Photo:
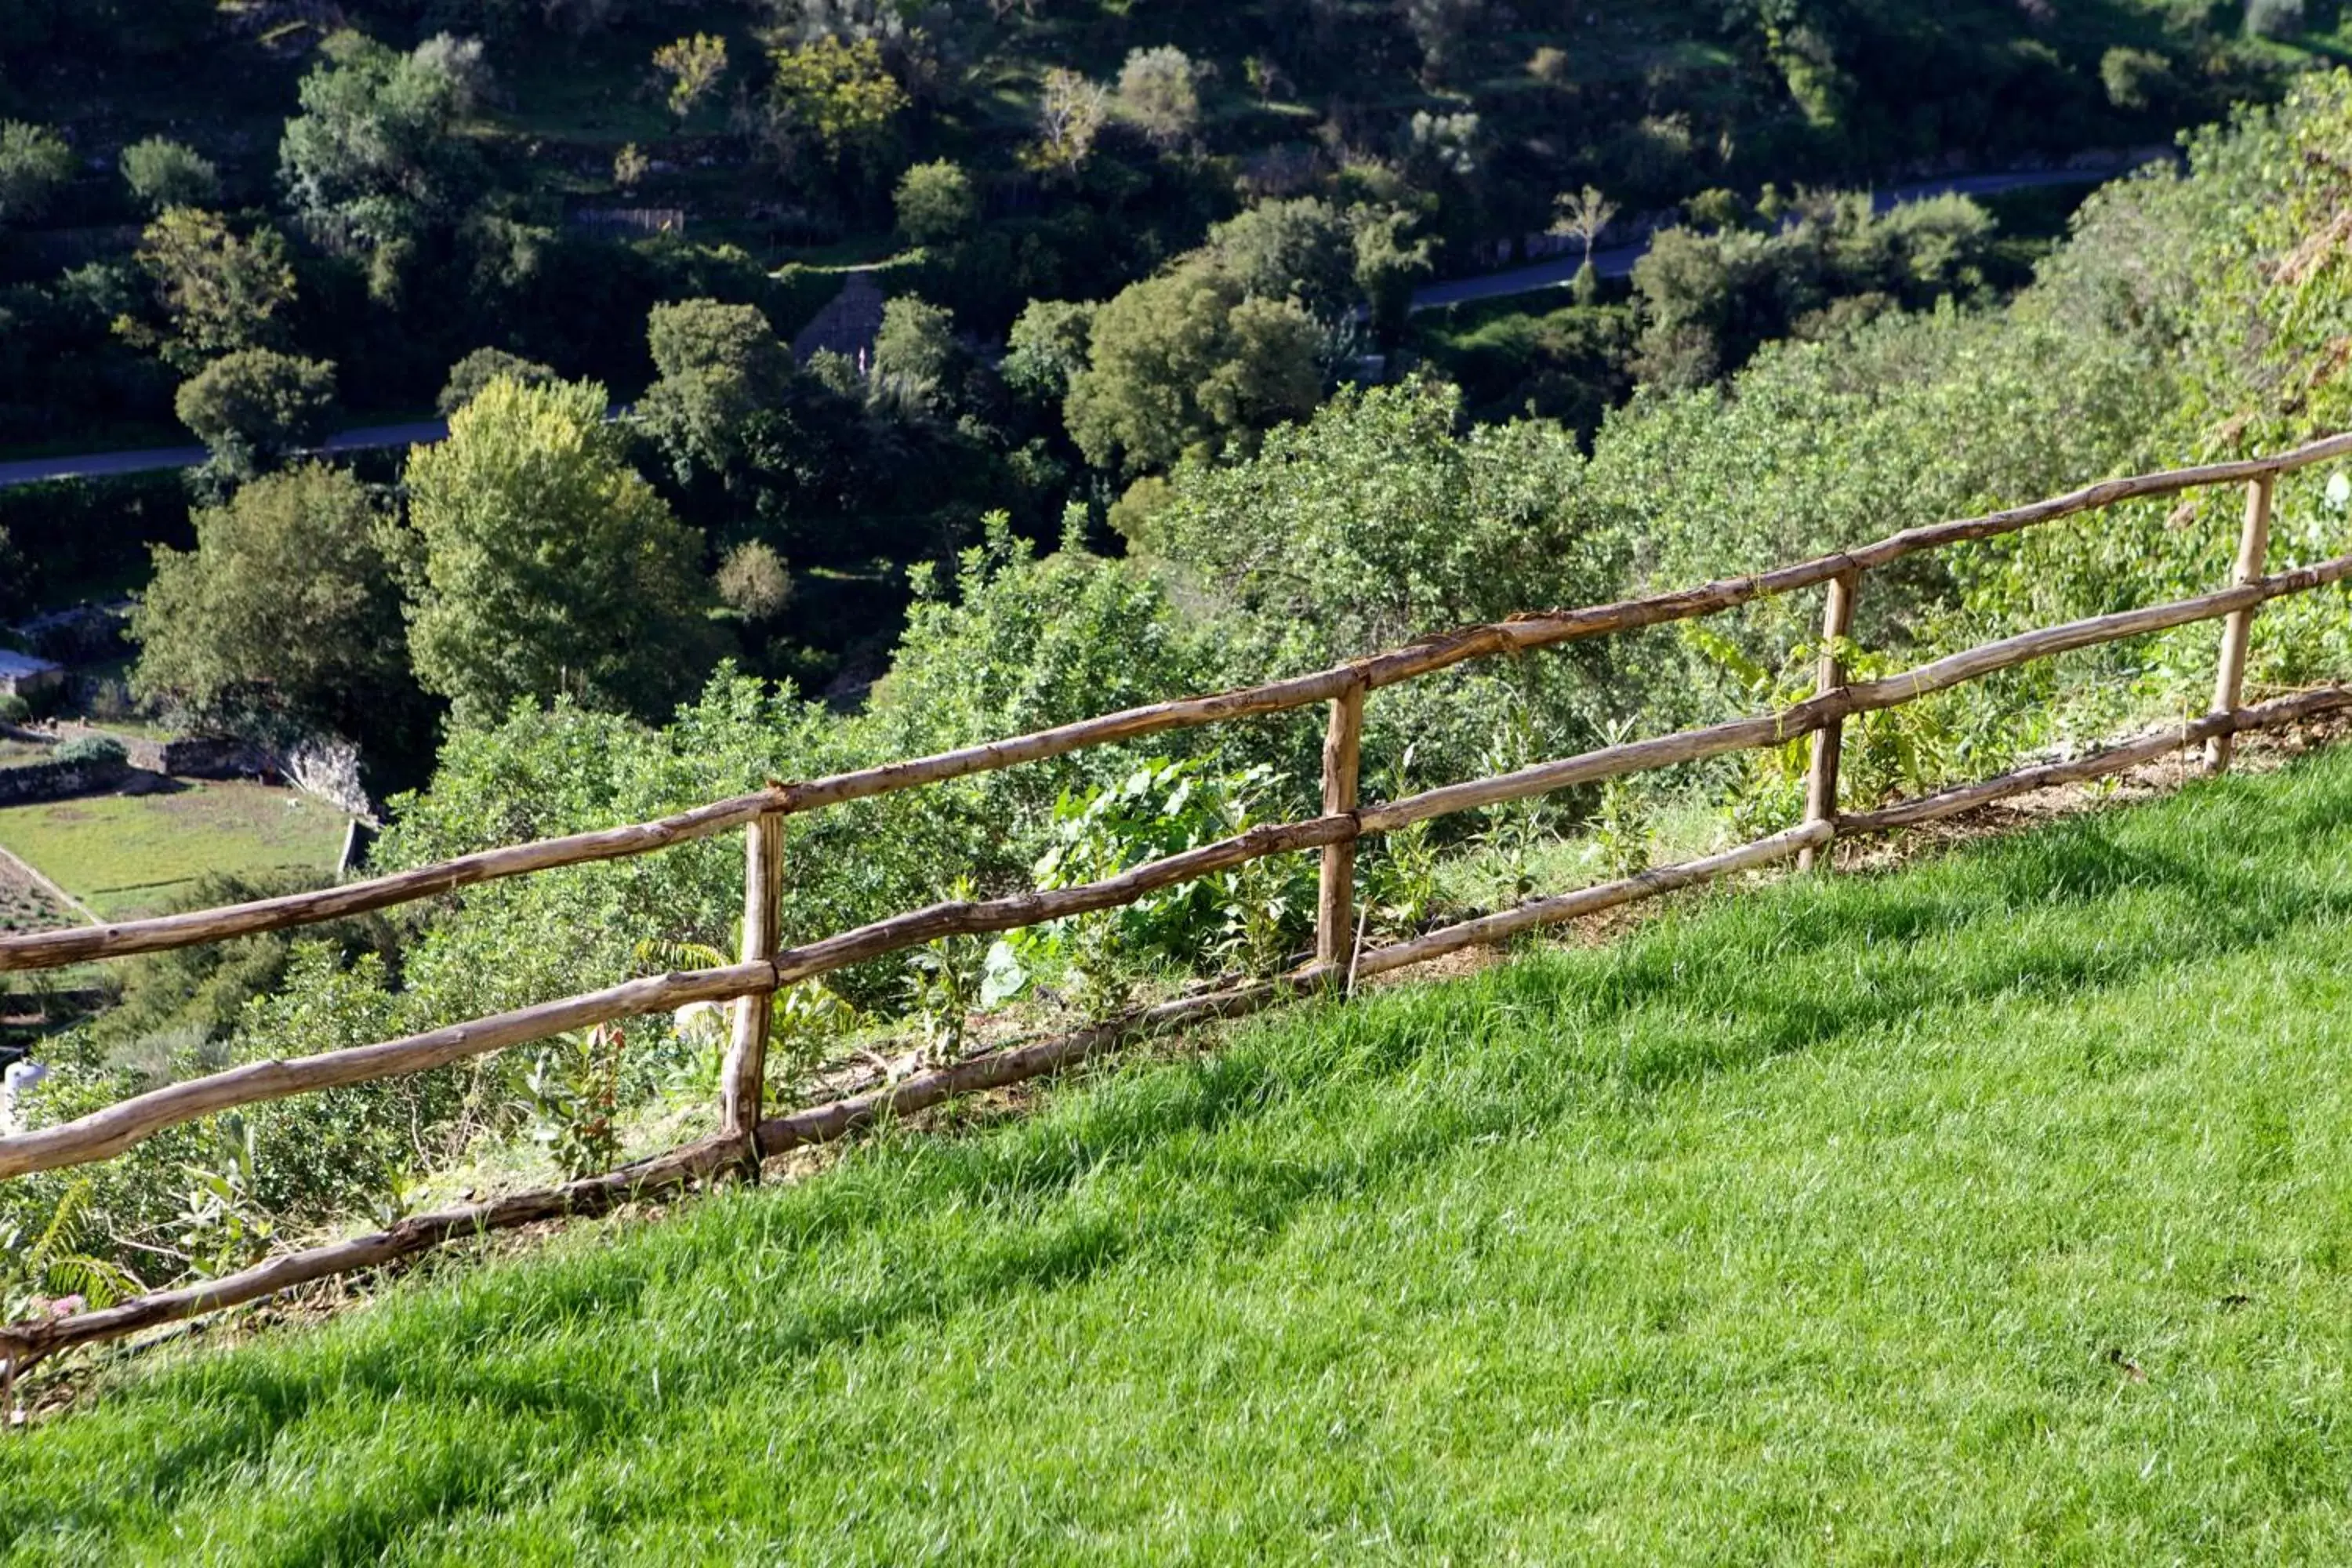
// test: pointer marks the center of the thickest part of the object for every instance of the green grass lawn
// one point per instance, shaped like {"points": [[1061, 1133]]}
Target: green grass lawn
{"points": [[125, 854], [1996, 1210]]}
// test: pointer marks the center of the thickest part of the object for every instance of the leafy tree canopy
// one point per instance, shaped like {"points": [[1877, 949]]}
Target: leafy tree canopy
{"points": [[542, 565]]}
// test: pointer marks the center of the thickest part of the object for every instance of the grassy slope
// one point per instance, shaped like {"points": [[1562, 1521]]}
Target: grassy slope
{"points": [[123, 855], [1996, 1210]]}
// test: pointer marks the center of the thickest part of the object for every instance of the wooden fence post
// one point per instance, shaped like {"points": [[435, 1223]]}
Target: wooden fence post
{"points": [[1829, 741], [742, 1082], [2230, 680], [1335, 914]]}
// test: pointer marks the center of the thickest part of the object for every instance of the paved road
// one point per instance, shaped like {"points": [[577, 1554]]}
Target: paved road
{"points": [[1618, 261], [1615, 262], [96, 465]]}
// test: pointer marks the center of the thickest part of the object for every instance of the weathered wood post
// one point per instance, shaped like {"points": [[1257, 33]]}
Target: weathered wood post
{"points": [[743, 1079], [2230, 680], [1335, 913], [1829, 741]]}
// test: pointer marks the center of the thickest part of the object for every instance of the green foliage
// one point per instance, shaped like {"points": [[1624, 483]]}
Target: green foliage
{"points": [[693, 66], [35, 163], [87, 750], [42, 1267], [286, 607], [833, 99], [255, 406], [1046, 348], [543, 565], [719, 365], [935, 203], [481, 367], [573, 1094], [218, 292], [915, 356], [1159, 94], [1186, 363], [373, 149], [223, 1225], [1709, 301], [163, 174]]}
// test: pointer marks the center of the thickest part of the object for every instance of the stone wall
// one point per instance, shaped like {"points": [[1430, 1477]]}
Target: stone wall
{"points": [[57, 780]]}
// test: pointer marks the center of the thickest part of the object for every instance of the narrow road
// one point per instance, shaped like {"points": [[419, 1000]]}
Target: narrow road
{"points": [[1615, 262], [100, 465]]}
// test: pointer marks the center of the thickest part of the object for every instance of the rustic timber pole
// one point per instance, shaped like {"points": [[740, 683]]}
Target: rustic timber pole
{"points": [[2237, 632], [743, 1080], [1829, 741], [1343, 756]]}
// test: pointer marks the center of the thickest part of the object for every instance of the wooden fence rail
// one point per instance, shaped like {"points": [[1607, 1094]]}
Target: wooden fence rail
{"points": [[746, 1134]]}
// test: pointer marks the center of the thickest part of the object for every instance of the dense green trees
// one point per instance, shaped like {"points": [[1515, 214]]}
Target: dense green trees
{"points": [[285, 610], [542, 565]]}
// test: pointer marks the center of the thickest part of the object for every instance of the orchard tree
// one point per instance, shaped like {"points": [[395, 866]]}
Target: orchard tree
{"points": [[1046, 348], [1070, 114], [720, 367], [934, 203], [1160, 93], [253, 406], [1182, 364], [835, 100], [543, 566], [286, 607], [483, 366], [374, 147], [35, 163], [915, 354], [220, 292], [163, 174], [692, 65], [1585, 214]]}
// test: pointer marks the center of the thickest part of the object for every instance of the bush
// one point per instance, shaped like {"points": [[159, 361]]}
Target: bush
{"points": [[93, 751], [14, 708], [33, 163], [483, 366], [934, 203], [257, 405], [163, 174]]}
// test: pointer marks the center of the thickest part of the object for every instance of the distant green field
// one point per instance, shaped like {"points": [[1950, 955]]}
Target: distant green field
{"points": [[124, 855]]}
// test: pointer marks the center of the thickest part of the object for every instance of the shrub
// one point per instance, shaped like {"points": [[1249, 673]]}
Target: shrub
{"points": [[483, 366], [163, 174], [97, 751], [257, 405], [934, 203], [33, 161]]}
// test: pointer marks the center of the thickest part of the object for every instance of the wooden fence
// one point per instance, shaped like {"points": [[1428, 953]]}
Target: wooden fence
{"points": [[748, 1134]]}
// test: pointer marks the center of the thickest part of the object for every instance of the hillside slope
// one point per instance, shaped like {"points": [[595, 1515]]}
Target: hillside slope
{"points": [[1992, 1210]]}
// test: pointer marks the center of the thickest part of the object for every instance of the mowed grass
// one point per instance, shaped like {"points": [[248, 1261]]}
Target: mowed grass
{"points": [[126, 855], [1999, 1210]]}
